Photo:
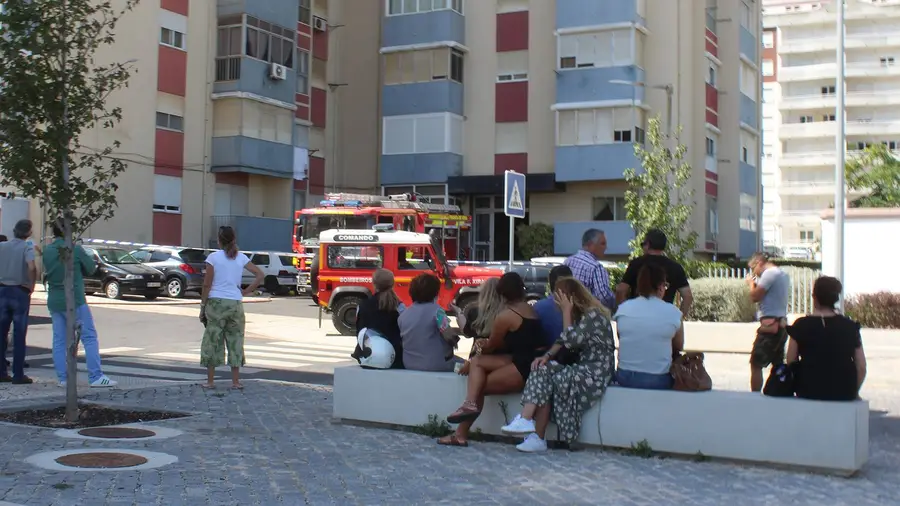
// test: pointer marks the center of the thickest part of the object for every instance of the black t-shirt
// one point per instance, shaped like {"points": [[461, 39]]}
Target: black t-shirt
{"points": [[827, 348], [383, 322], [675, 275]]}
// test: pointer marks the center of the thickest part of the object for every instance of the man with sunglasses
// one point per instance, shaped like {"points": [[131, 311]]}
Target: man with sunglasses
{"points": [[654, 247]]}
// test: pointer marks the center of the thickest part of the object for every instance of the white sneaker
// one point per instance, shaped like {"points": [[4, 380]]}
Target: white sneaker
{"points": [[62, 384], [532, 444], [104, 382], [518, 427]]}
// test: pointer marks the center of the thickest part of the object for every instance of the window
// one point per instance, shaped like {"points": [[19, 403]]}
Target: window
{"points": [[423, 66], [712, 218], [598, 126], [231, 200], [305, 12], [269, 42], [506, 78], [887, 61], [355, 257], [828, 117], [745, 155], [828, 90], [427, 133], [302, 72], [608, 209], [169, 122], [259, 259], [413, 6], [768, 39], [156, 256], [749, 81], [622, 136], [166, 194], [711, 74], [768, 68], [746, 17], [142, 255], [229, 40], [601, 49], [807, 236], [172, 38], [806, 119], [710, 147], [456, 65]]}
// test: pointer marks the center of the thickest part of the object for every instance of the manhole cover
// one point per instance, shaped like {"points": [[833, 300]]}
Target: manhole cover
{"points": [[116, 432], [101, 460]]}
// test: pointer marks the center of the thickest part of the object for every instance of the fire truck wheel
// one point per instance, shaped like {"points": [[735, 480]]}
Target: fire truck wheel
{"points": [[343, 315]]}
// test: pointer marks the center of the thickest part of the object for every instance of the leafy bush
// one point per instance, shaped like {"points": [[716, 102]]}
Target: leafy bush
{"points": [[615, 275], [875, 310], [722, 300], [535, 240]]}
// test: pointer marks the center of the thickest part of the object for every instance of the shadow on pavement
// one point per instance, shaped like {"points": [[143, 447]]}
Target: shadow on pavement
{"points": [[39, 320]]}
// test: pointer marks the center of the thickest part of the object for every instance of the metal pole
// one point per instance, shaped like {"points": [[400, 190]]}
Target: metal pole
{"points": [[840, 197], [669, 92], [512, 240]]}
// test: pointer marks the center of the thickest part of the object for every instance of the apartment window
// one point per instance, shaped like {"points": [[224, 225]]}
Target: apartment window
{"points": [[229, 37], [768, 68], [269, 42], [506, 78], [891, 145], [828, 117], [231, 200], [622, 135], [456, 65], [806, 119], [712, 218], [746, 17], [171, 38], [710, 147], [305, 12], [828, 90], [423, 66], [608, 209], [602, 49], [598, 126], [427, 133], [166, 194], [768, 40], [302, 72], [807, 236], [886, 61], [413, 6], [745, 155], [711, 74], [169, 122]]}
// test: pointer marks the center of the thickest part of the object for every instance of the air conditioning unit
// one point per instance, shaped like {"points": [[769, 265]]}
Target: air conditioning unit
{"points": [[277, 72], [319, 24]]}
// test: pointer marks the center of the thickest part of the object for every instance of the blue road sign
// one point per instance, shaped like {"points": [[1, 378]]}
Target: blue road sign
{"points": [[514, 194]]}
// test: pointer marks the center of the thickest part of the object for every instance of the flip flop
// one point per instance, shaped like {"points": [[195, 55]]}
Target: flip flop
{"points": [[204, 386], [452, 440], [237, 387]]}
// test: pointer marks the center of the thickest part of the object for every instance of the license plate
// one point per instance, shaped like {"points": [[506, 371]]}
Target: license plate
{"points": [[154, 285]]}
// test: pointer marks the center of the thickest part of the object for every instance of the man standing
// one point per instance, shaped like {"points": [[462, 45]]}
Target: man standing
{"points": [[654, 247], [769, 287], [586, 267], [17, 276]]}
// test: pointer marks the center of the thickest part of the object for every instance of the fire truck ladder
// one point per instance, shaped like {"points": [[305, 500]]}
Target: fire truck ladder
{"points": [[399, 201]]}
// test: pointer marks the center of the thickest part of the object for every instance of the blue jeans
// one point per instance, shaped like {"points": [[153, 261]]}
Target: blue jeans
{"points": [[84, 318], [647, 381], [15, 303]]}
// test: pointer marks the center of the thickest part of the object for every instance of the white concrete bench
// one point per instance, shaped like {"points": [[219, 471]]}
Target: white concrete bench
{"points": [[742, 426]]}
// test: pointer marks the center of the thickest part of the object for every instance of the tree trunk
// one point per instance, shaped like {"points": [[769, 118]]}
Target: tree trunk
{"points": [[71, 340]]}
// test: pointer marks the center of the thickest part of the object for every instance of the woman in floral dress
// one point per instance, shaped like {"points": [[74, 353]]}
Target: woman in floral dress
{"points": [[569, 390]]}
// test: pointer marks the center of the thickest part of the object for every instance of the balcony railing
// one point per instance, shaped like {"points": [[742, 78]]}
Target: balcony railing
{"points": [[228, 68]]}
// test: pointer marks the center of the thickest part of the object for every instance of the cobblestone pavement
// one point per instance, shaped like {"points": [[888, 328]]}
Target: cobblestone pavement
{"points": [[274, 444]]}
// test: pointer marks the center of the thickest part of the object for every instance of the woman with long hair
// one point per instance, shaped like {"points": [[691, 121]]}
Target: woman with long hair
{"points": [[567, 390], [480, 316], [380, 313], [222, 309]]}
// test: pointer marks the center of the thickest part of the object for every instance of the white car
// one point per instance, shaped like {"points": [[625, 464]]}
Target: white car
{"points": [[559, 261], [279, 272]]}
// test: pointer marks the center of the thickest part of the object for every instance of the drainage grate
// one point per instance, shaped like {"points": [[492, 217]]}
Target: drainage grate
{"points": [[117, 432], [101, 460]]}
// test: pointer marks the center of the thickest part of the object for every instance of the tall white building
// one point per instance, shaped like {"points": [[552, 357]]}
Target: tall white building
{"points": [[799, 128]]}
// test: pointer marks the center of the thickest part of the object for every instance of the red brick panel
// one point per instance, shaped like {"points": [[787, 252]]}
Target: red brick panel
{"points": [[712, 97], [176, 6], [304, 42], [319, 103], [712, 118], [299, 185], [169, 153], [512, 31], [302, 112], [511, 161], [771, 53], [712, 43], [712, 189], [304, 28], [316, 175], [166, 229], [711, 246], [320, 45], [511, 103], [712, 175], [172, 71], [233, 178]]}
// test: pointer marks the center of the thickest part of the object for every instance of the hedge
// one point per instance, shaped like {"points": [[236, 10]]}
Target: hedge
{"points": [[722, 300], [875, 310]]}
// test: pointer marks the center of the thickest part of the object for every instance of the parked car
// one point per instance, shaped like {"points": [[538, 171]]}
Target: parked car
{"points": [[551, 261], [183, 267], [535, 275], [118, 273], [279, 272]]}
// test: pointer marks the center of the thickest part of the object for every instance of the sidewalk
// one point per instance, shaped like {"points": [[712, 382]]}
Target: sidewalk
{"points": [[40, 297]]}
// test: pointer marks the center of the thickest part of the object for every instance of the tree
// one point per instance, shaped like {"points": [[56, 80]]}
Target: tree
{"points": [[53, 91], [535, 240], [875, 171], [658, 197]]}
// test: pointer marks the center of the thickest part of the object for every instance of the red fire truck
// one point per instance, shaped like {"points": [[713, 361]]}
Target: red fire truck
{"points": [[353, 211]]}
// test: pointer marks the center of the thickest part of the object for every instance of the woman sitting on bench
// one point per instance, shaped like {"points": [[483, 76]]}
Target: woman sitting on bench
{"points": [[479, 317], [427, 338]]}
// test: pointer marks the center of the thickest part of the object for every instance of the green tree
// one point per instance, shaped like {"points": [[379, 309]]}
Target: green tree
{"points": [[658, 195], [535, 240], [875, 171], [53, 91]]}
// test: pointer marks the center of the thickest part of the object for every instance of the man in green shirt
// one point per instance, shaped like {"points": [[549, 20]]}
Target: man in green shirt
{"points": [[54, 270]]}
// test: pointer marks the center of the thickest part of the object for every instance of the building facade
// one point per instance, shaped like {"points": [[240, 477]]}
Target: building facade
{"points": [[799, 67], [228, 97], [560, 90]]}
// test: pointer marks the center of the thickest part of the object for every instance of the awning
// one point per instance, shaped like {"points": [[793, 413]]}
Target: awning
{"points": [[493, 185]]}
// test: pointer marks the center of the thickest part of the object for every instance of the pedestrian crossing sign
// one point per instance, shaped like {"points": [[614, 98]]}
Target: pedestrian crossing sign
{"points": [[514, 194]]}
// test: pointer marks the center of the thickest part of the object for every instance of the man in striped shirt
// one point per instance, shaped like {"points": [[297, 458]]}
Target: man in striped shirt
{"points": [[586, 267]]}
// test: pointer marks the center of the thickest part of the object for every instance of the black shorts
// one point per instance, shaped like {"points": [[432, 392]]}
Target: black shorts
{"points": [[768, 349]]}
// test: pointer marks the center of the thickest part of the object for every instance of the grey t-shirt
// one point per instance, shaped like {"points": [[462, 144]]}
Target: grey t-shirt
{"points": [[14, 257], [423, 347], [777, 284]]}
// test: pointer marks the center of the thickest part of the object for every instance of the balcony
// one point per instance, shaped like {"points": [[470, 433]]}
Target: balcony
{"points": [[422, 98], [603, 162], [869, 69], [748, 178], [252, 156], [749, 112], [829, 43], [807, 130], [567, 236], [277, 11], [593, 84], [256, 233], [806, 188], [575, 13], [867, 128], [808, 72], [423, 28], [421, 168], [748, 44], [249, 75], [808, 159]]}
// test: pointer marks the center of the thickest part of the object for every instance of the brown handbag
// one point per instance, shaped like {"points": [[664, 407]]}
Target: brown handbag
{"points": [[689, 374]]}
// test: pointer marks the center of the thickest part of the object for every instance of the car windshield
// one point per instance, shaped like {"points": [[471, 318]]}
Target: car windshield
{"points": [[193, 256], [116, 256], [315, 224]]}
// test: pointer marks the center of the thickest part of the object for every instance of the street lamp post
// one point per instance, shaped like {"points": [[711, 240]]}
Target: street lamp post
{"points": [[840, 195]]}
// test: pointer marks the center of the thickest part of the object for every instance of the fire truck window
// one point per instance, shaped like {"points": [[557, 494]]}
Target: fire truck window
{"points": [[413, 259], [409, 224], [355, 257], [386, 219]]}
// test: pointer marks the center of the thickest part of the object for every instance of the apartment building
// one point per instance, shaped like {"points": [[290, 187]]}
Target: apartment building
{"points": [[561, 90], [799, 68], [229, 96]]}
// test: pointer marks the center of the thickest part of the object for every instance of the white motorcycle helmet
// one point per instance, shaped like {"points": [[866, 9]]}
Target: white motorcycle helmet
{"points": [[373, 351]]}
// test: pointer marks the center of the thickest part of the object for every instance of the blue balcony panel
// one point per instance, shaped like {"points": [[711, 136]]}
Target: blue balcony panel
{"points": [[422, 98], [422, 28], [254, 78], [420, 168], [567, 236], [257, 233], [748, 242], [748, 177], [748, 44], [574, 13], [593, 84], [281, 12], [749, 112], [252, 156], [603, 162]]}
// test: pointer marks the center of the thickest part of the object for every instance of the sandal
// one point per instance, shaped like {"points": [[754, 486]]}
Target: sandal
{"points": [[468, 411], [452, 440], [204, 386], [239, 386]]}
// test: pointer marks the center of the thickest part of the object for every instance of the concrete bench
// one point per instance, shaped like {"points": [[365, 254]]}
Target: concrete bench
{"points": [[829, 437]]}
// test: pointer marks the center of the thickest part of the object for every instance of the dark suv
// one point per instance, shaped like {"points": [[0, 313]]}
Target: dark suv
{"points": [[183, 267], [118, 273], [536, 279]]}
